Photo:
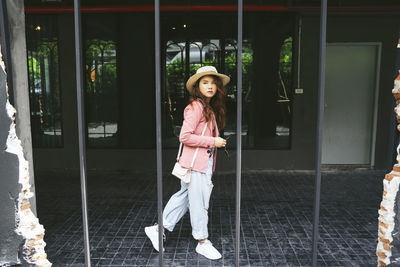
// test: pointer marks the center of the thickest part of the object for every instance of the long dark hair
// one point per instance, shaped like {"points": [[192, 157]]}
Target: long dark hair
{"points": [[216, 104]]}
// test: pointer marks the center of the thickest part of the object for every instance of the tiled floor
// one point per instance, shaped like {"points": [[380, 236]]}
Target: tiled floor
{"points": [[276, 215]]}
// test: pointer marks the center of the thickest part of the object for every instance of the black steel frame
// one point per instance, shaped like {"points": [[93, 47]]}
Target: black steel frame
{"points": [[158, 127], [82, 151], [239, 131], [320, 118], [81, 126]]}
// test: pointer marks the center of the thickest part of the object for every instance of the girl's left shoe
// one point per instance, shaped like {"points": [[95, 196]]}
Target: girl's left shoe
{"points": [[152, 234], [208, 250]]}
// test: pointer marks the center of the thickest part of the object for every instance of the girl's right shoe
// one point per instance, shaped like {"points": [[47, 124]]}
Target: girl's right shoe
{"points": [[152, 234], [208, 250]]}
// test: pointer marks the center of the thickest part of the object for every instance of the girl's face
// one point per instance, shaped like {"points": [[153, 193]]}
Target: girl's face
{"points": [[207, 86]]}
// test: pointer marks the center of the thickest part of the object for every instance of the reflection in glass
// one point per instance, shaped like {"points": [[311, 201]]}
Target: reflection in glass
{"points": [[222, 54], [101, 92], [283, 88], [44, 85]]}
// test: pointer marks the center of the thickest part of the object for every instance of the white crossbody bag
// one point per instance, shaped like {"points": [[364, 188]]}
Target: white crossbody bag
{"points": [[181, 172]]}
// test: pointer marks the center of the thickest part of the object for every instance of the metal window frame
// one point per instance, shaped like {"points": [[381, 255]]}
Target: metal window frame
{"points": [[81, 129]]}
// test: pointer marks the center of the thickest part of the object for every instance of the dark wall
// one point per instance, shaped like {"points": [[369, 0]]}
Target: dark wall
{"points": [[136, 90], [344, 28], [383, 29]]}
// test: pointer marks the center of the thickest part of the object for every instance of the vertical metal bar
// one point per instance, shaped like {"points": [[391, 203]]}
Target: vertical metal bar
{"points": [[187, 63], [299, 51], [320, 117], [5, 45], [201, 58], [81, 125], [158, 127], [376, 103], [222, 56], [239, 130]]}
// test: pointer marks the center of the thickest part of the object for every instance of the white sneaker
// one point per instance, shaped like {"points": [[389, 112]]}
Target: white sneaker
{"points": [[152, 233], [207, 250]]}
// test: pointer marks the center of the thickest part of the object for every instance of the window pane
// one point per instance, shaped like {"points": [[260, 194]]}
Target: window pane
{"points": [[284, 85], [44, 85], [101, 92], [262, 129], [222, 53], [178, 70]]}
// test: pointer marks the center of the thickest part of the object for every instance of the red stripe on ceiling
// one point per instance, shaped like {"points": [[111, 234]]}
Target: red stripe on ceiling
{"points": [[198, 8]]}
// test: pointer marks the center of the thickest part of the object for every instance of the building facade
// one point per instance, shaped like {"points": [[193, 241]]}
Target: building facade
{"points": [[280, 66]]}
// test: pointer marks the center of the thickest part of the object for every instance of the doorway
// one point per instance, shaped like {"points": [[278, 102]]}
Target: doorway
{"points": [[350, 103]]}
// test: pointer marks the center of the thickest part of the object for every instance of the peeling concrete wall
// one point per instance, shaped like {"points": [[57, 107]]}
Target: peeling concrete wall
{"points": [[21, 235], [9, 187], [388, 228], [16, 20], [388, 248]]}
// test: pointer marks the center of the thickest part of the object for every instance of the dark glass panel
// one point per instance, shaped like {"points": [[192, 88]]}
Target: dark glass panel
{"points": [[44, 84], [101, 83]]}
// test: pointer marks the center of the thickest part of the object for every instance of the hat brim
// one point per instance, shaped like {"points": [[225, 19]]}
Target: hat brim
{"points": [[193, 79]]}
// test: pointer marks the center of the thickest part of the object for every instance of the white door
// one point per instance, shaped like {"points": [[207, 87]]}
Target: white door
{"points": [[349, 113]]}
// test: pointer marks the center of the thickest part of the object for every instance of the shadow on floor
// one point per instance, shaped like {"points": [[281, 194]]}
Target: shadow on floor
{"points": [[276, 217]]}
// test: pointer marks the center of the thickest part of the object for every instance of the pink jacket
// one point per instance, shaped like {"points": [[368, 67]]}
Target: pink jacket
{"points": [[190, 136]]}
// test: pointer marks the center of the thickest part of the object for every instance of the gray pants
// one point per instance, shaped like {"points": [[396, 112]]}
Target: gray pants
{"points": [[194, 196]]}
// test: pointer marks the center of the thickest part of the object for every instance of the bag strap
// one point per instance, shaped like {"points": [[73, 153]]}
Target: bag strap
{"points": [[195, 153]]}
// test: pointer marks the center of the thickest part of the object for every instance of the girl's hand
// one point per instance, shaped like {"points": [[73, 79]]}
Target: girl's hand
{"points": [[219, 142]]}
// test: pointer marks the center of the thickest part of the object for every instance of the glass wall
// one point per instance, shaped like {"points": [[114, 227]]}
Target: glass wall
{"points": [[44, 83], [276, 206]]}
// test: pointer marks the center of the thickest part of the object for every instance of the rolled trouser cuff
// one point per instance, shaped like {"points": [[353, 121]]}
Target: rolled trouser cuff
{"points": [[199, 235], [167, 225]]}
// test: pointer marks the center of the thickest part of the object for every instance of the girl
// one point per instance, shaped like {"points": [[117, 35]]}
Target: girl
{"points": [[207, 105]]}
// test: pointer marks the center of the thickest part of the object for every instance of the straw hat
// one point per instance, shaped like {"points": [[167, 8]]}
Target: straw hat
{"points": [[204, 71]]}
